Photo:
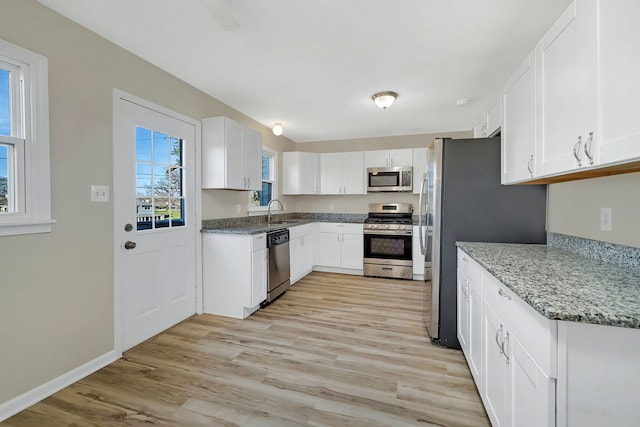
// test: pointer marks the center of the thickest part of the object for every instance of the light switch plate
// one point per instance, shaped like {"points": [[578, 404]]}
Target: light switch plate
{"points": [[100, 193]]}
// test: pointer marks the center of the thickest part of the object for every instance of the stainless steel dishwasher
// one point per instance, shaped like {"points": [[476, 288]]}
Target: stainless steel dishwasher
{"points": [[278, 280]]}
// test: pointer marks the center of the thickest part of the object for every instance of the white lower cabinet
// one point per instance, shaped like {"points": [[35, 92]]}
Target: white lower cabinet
{"points": [[234, 273], [301, 251], [509, 349], [340, 245]]}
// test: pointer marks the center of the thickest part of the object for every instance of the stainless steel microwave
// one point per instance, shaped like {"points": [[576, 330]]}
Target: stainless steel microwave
{"points": [[389, 179]]}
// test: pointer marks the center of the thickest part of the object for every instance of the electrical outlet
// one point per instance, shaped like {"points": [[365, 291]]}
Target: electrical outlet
{"points": [[331, 207], [606, 219], [100, 193], [238, 209]]}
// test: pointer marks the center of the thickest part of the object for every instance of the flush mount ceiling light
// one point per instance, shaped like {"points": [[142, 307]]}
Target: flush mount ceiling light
{"points": [[277, 129], [384, 99]]}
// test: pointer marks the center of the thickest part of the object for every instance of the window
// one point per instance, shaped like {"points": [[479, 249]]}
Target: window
{"points": [[25, 205], [259, 200]]}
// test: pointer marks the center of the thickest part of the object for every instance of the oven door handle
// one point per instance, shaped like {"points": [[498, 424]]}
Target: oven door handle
{"points": [[388, 232]]}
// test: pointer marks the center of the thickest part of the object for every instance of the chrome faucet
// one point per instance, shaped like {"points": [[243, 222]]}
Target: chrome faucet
{"points": [[269, 209]]}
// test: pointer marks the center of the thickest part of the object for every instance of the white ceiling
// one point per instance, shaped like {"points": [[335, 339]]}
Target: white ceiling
{"points": [[314, 64]]}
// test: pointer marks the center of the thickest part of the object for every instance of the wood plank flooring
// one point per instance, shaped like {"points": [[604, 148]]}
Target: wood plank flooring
{"points": [[335, 350]]}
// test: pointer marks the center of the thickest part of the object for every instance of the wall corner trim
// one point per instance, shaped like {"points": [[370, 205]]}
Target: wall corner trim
{"points": [[35, 395]]}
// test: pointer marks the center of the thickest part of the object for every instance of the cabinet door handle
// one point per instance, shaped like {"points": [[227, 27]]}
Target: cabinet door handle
{"points": [[502, 294], [498, 335], [504, 349], [587, 148], [576, 150], [301, 240], [248, 182], [530, 166]]}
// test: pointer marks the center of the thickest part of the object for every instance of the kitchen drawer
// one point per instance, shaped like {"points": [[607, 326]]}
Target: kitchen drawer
{"points": [[300, 230], [471, 269], [333, 227], [259, 241], [537, 334]]}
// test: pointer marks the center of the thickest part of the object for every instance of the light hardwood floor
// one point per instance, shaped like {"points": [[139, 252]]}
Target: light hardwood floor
{"points": [[335, 350]]}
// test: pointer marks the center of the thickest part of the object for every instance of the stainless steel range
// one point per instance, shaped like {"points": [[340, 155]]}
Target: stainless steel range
{"points": [[388, 232]]}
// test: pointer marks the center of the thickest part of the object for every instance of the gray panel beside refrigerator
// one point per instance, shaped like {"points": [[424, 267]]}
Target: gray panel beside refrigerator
{"points": [[464, 201]]}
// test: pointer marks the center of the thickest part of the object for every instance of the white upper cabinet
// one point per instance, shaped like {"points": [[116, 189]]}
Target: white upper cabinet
{"points": [[301, 172], [518, 127], [563, 68], [231, 155], [342, 173], [585, 119], [618, 81], [388, 158]]}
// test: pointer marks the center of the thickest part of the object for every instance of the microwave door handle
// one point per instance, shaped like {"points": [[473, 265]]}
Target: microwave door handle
{"points": [[421, 214]]}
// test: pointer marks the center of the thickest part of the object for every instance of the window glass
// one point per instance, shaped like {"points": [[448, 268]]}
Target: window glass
{"points": [[5, 106], [263, 197], [159, 182]]}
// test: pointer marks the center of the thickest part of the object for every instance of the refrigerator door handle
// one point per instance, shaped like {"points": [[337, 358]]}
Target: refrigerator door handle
{"points": [[421, 213]]}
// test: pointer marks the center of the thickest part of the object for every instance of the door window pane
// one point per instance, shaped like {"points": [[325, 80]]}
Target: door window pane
{"points": [[159, 184]]}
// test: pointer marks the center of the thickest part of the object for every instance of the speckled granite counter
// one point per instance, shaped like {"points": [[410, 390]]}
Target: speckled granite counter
{"points": [[563, 285], [258, 224]]}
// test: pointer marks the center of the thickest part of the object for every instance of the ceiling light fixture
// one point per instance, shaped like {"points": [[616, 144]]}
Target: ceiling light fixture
{"points": [[384, 99], [277, 129]]}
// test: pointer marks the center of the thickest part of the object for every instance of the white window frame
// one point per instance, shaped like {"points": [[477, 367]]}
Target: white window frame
{"points": [[266, 151], [29, 142]]}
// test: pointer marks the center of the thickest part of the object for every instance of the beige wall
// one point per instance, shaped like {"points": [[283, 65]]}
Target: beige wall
{"points": [[574, 208], [56, 289]]}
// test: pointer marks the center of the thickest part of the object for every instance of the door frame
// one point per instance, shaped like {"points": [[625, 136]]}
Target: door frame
{"points": [[117, 253]]}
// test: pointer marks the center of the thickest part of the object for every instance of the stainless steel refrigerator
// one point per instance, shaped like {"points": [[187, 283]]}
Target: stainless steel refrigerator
{"points": [[462, 200]]}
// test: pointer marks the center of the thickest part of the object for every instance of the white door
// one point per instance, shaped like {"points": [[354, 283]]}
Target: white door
{"points": [[155, 220]]}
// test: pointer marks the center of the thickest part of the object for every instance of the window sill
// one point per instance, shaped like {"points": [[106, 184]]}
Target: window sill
{"points": [[26, 227]]}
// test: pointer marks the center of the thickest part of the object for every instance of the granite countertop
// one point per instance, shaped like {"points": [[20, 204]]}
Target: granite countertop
{"points": [[258, 224], [563, 285]]}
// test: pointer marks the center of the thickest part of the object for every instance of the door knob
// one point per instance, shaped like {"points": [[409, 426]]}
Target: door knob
{"points": [[130, 245]]}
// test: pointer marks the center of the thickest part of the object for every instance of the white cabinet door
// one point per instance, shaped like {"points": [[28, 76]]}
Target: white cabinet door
{"points": [[376, 158], [388, 158], [252, 159], [234, 169], [342, 173], [301, 172], [519, 124], [531, 391], [494, 372], [329, 249], [419, 167], [331, 181], [619, 83], [295, 258], [353, 174], [231, 155], [476, 305], [463, 312], [352, 251], [307, 253], [563, 76], [258, 276], [403, 157]]}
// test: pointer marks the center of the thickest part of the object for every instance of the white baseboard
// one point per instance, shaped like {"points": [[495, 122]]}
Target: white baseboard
{"points": [[35, 395]]}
